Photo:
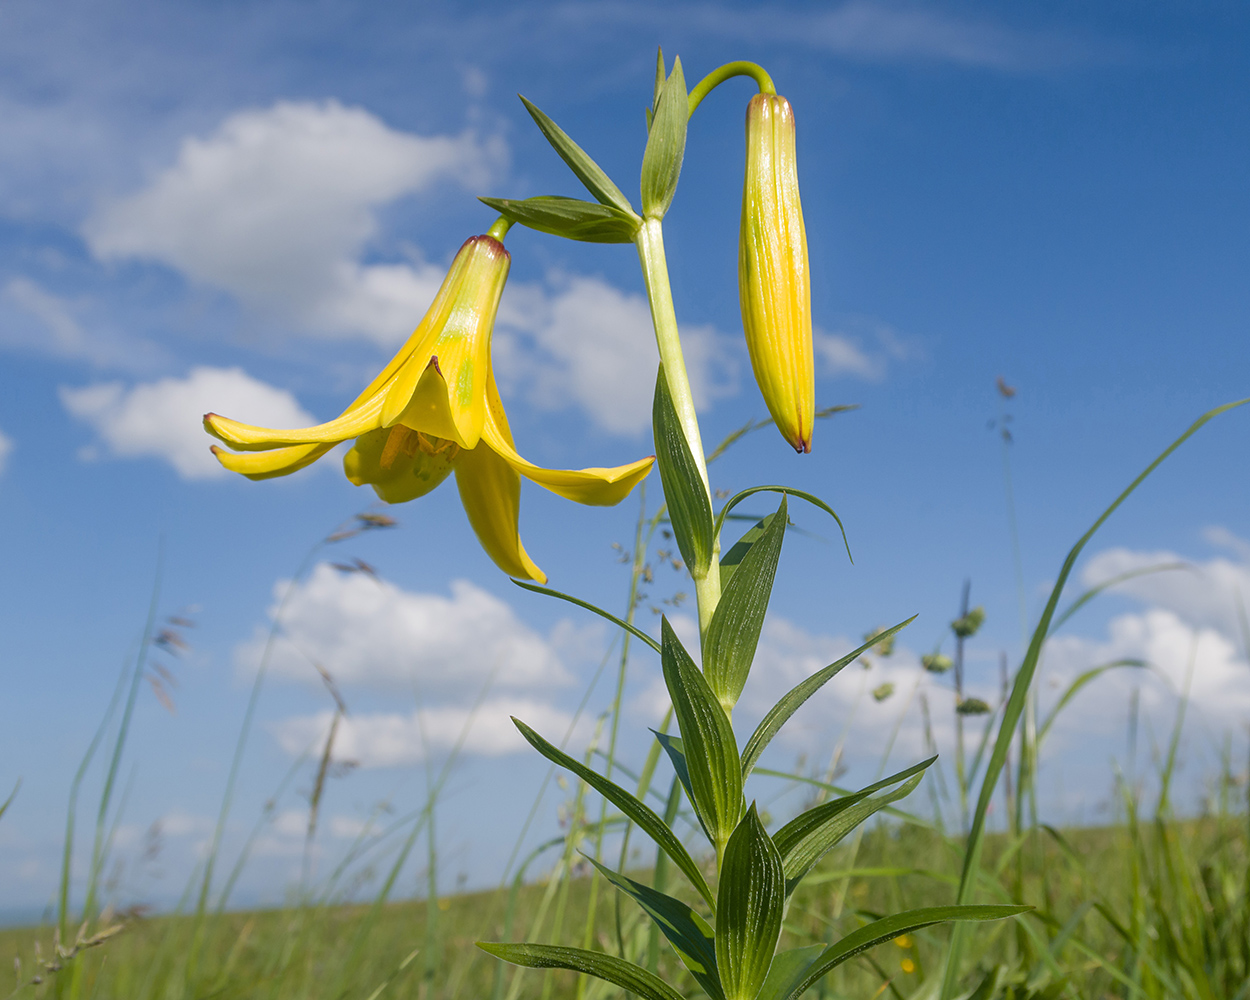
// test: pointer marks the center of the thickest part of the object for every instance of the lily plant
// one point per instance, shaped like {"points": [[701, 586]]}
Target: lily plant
{"points": [[435, 410]]}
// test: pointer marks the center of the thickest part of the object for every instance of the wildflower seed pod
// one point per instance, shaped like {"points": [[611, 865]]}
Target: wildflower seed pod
{"points": [[773, 283]]}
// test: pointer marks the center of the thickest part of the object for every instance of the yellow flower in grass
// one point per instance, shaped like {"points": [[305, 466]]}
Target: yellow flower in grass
{"points": [[433, 410], [773, 282]]}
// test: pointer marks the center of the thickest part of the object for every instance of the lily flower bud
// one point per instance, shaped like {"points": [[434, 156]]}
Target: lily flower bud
{"points": [[773, 283]]}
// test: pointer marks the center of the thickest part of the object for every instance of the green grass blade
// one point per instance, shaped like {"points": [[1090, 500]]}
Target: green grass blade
{"points": [[1075, 687], [614, 970], [587, 170], [708, 741], [1093, 592], [1020, 689], [621, 623], [749, 905], [734, 632], [687, 932], [888, 928], [626, 802], [793, 700]]}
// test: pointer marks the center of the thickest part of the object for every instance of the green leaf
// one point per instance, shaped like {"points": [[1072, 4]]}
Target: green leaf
{"points": [[749, 905], [687, 932], [793, 700], [888, 928], [787, 971], [734, 632], [587, 170], [732, 559], [689, 509], [677, 755], [811, 835], [639, 812], [811, 498], [617, 971], [666, 146], [707, 740], [631, 629], [569, 217]]}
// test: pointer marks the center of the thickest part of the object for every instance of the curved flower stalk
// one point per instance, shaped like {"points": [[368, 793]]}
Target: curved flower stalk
{"points": [[435, 409], [773, 283]]}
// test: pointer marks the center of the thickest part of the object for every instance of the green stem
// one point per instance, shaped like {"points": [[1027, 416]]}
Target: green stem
{"points": [[650, 243], [727, 72], [499, 228]]}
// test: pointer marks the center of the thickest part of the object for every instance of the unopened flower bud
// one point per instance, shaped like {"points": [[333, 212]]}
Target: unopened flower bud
{"points": [[936, 663], [773, 283]]}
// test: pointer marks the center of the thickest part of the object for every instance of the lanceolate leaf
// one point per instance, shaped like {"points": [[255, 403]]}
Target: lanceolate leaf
{"points": [[780, 713], [707, 739], [587, 170], [689, 508], [888, 928], [569, 217], [811, 498], [631, 629], [615, 970], [666, 146], [734, 632], [749, 905], [809, 837], [677, 754], [732, 559], [787, 971], [648, 821], [687, 932]]}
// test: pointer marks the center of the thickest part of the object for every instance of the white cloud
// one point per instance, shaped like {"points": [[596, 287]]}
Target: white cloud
{"points": [[37, 320], [585, 343], [844, 352], [1205, 594], [392, 739], [6, 449], [368, 631], [277, 205], [162, 419]]}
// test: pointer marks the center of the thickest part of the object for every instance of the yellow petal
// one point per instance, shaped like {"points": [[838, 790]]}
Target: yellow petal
{"points": [[596, 486], [267, 465], [441, 389], [356, 420], [404, 474], [418, 399], [491, 493]]}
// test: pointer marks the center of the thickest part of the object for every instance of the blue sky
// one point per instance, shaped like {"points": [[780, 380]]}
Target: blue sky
{"points": [[246, 207]]}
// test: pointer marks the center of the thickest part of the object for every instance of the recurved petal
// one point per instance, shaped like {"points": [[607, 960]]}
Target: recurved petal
{"points": [[491, 493], [356, 420], [598, 487], [270, 464]]}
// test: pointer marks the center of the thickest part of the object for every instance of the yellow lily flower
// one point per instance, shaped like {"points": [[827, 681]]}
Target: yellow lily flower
{"points": [[435, 409], [773, 283]]}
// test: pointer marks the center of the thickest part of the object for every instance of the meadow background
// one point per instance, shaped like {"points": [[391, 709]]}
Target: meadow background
{"points": [[245, 207]]}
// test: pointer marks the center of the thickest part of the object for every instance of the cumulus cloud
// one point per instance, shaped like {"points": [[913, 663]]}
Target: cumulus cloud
{"points": [[393, 739], [1204, 594], [369, 631], [36, 320], [277, 205], [582, 342], [161, 419], [864, 349]]}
